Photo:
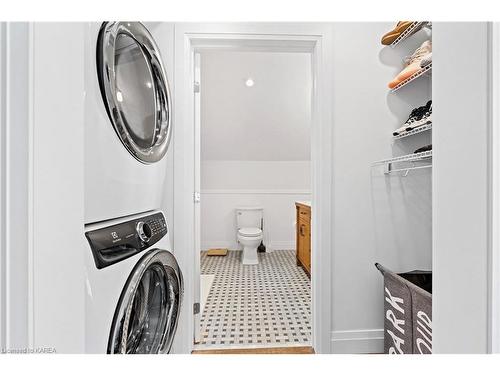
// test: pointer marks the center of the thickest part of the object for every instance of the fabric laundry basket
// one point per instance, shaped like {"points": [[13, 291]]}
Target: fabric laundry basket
{"points": [[407, 311]]}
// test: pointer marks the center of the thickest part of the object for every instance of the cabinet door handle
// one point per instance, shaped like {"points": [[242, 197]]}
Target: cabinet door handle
{"points": [[301, 229]]}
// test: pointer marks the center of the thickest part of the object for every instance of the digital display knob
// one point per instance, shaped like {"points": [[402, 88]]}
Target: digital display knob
{"points": [[143, 231]]}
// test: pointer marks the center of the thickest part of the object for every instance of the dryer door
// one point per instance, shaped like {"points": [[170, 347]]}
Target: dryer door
{"points": [[135, 89], [146, 317]]}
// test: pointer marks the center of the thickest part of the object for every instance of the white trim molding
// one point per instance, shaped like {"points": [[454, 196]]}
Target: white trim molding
{"points": [[280, 245], [370, 341], [3, 185], [206, 245], [315, 39], [256, 191], [494, 281], [233, 245], [17, 186]]}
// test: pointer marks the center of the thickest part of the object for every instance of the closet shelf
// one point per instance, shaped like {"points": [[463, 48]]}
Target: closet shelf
{"points": [[416, 75], [414, 131], [425, 156], [415, 26], [406, 158]]}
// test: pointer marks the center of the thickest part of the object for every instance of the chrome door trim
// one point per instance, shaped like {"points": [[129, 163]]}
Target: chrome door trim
{"points": [[107, 80], [155, 256]]}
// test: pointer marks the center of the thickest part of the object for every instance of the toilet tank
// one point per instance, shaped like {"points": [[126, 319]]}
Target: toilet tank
{"points": [[249, 217]]}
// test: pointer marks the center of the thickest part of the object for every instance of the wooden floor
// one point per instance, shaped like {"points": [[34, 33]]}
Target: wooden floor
{"points": [[284, 350]]}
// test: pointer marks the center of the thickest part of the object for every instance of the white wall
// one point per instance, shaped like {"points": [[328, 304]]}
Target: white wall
{"points": [[58, 274], [461, 188], [272, 185], [378, 218], [42, 238], [255, 142]]}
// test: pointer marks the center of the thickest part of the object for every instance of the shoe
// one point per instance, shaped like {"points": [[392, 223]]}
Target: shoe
{"points": [[392, 35], [415, 115], [425, 118], [422, 149], [412, 63], [426, 60]]}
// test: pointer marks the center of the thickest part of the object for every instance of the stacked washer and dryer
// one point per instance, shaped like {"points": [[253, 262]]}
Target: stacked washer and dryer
{"points": [[134, 284]]}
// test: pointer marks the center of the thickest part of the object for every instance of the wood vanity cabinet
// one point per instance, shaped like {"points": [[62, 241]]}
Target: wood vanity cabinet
{"points": [[303, 235]]}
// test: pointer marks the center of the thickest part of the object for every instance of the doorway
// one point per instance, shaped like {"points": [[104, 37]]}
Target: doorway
{"points": [[313, 39], [253, 168]]}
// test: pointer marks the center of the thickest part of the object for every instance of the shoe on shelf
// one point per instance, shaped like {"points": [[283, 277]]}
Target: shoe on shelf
{"points": [[426, 60], [412, 63], [415, 115], [422, 149], [425, 117], [392, 35]]}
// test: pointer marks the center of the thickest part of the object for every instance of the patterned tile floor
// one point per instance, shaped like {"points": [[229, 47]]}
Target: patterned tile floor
{"points": [[263, 305]]}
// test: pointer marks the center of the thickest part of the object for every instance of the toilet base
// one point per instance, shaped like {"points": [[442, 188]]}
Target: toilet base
{"points": [[249, 256]]}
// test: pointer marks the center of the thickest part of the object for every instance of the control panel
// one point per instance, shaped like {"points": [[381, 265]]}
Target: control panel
{"points": [[117, 242]]}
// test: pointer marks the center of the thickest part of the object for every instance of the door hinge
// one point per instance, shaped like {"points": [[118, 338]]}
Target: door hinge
{"points": [[196, 87], [196, 308], [196, 197]]}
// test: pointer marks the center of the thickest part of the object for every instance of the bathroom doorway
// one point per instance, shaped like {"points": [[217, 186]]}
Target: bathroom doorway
{"points": [[253, 184], [315, 39]]}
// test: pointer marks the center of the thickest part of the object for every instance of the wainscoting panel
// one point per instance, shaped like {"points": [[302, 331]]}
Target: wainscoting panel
{"points": [[218, 218]]}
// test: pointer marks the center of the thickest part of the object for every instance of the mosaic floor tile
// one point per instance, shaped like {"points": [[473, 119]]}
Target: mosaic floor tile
{"points": [[268, 304]]}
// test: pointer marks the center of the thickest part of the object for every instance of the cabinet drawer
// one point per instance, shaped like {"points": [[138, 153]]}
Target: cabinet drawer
{"points": [[304, 213]]}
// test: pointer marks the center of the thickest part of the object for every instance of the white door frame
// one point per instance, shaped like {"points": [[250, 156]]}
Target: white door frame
{"points": [[197, 189], [494, 277], [312, 38]]}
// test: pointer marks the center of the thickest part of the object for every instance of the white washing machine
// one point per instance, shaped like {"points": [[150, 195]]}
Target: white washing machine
{"points": [[134, 286], [127, 121]]}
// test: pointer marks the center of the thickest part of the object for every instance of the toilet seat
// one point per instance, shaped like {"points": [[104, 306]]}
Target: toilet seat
{"points": [[250, 232]]}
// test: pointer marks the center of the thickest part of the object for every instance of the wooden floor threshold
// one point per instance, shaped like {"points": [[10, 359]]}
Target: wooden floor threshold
{"points": [[283, 350]]}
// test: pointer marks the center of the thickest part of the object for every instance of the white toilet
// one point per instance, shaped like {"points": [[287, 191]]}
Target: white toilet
{"points": [[248, 222]]}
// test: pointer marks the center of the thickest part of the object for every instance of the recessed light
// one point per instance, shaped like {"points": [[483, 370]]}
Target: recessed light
{"points": [[249, 82]]}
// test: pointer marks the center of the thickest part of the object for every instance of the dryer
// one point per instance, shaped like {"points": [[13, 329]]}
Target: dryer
{"points": [[128, 121], [134, 286]]}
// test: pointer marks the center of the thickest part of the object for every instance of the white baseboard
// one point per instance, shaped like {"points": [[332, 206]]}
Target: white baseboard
{"points": [[233, 245], [256, 191], [358, 341], [281, 245]]}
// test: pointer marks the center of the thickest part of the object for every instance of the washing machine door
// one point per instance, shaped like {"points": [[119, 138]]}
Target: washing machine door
{"points": [[146, 317], [135, 89]]}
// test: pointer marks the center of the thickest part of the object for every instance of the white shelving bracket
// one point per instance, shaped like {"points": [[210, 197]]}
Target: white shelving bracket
{"points": [[424, 156], [418, 130], [426, 69], [412, 29]]}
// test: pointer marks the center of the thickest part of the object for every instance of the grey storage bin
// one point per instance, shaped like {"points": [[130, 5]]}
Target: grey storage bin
{"points": [[407, 311]]}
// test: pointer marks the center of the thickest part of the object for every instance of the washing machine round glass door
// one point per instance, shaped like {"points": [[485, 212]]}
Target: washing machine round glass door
{"points": [[135, 89], [146, 317]]}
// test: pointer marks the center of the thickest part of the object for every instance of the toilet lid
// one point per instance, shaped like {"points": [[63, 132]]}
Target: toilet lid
{"points": [[250, 232]]}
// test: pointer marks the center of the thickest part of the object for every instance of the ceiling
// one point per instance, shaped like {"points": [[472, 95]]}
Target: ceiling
{"points": [[267, 121]]}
